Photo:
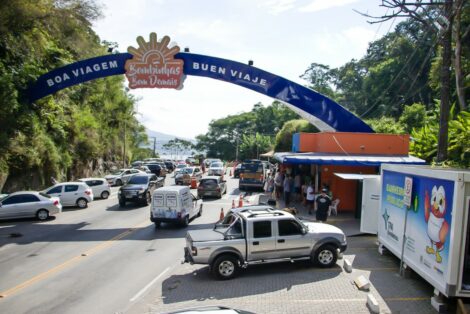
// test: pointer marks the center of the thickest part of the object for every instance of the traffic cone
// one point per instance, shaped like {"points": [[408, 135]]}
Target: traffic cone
{"points": [[222, 215], [233, 203], [193, 183], [240, 201]]}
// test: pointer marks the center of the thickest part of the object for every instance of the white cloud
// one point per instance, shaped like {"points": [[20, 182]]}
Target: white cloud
{"points": [[360, 36], [276, 7], [320, 5]]}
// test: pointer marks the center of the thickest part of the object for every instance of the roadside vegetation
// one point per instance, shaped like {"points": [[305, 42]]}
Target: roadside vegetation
{"points": [[79, 129]]}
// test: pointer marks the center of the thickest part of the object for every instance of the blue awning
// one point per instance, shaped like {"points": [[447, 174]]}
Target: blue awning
{"points": [[345, 160]]}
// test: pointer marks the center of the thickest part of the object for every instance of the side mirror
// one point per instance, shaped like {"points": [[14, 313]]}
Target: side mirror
{"points": [[304, 231]]}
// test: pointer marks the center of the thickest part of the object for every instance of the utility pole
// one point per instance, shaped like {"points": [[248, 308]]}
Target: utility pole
{"points": [[124, 150], [236, 151], [154, 147]]}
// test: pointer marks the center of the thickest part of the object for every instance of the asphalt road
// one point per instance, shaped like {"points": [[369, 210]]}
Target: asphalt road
{"points": [[103, 259]]}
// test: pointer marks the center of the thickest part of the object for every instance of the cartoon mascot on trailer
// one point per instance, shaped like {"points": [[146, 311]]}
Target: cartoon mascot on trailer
{"points": [[434, 212]]}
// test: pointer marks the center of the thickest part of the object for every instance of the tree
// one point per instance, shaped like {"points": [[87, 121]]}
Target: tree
{"points": [[68, 134], [283, 141], [321, 79], [426, 13]]}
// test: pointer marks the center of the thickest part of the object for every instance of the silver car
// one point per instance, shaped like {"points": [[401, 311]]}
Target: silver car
{"points": [[99, 186], [29, 204], [121, 176], [216, 169]]}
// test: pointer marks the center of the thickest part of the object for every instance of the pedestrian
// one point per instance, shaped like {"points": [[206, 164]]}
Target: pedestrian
{"points": [[297, 187], [310, 197], [287, 189], [323, 204], [269, 185], [278, 180]]}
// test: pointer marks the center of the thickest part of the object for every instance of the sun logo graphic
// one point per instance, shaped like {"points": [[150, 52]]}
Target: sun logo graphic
{"points": [[153, 64]]}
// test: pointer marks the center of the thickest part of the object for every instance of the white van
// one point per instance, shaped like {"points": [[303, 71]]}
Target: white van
{"points": [[174, 204]]}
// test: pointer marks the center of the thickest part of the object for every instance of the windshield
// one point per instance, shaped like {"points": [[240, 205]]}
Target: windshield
{"points": [[217, 165], [181, 166], [188, 170], [208, 183], [117, 172], [139, 180]]}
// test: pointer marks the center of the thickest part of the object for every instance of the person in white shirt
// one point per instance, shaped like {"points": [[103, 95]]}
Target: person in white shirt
{"points": [[310, 197]]}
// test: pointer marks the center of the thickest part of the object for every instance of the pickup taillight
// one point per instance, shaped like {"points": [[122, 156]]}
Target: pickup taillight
{"points": [[193, 250], [56, 203]]}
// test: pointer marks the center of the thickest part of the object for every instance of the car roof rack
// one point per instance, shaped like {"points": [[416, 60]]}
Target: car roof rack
{"points": [[272, 213]]}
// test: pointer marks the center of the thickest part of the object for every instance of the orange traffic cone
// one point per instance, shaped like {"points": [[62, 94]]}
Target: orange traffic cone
{"points": [[193, 183], [222, 215], [233, 203], [240, 201]]}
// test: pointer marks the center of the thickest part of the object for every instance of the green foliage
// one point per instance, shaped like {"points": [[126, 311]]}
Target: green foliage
{"points": [[424, 139], [283, 141], [412, 117], [225, 135], [76, 126], [386, 125], [252, 145]]}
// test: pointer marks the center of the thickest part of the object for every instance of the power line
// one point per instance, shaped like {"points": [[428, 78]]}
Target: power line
{"points": [[393, 81]]}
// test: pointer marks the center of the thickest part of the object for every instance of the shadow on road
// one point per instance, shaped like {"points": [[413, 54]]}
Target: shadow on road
{"points": [[255, 280], [35, 231]]}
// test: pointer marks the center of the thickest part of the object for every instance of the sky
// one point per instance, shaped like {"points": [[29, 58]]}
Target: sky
{"points": [[281, 36]]}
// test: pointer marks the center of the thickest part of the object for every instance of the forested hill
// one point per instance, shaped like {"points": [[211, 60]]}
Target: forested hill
{"points": [[75, 131]]}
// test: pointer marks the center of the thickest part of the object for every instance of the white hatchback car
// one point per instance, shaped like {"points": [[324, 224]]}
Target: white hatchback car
{"points": [[99, 186], [29, 204], [71, 193]]}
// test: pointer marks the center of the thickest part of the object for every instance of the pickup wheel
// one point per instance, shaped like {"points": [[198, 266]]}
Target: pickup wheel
{"points": [[325, 256], [225, 267], [185, 222]]}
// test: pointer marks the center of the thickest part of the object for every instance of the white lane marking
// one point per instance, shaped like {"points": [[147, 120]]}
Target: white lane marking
{"points": [[139, 294]]}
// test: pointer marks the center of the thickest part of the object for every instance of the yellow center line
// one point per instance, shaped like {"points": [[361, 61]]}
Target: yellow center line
{"points": [[71, 261], [408, 299]]}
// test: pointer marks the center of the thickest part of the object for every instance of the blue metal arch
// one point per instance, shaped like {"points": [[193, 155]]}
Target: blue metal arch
{"points": [[315, 107]]}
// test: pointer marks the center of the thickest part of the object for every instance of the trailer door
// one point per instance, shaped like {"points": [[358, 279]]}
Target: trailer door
{"points": [[370, 204]]}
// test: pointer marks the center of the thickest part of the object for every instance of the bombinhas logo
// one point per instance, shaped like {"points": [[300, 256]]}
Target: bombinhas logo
{"points": [[153, 64]]}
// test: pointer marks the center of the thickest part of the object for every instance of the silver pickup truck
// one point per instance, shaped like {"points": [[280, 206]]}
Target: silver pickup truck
{"points": [[261, 234]]}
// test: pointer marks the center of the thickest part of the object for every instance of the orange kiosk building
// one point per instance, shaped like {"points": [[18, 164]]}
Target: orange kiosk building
{"points": [[341, 160]]}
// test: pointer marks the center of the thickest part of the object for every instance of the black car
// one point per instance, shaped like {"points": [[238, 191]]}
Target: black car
{"points": [[170, 166], [139, 189], [156, 169]]}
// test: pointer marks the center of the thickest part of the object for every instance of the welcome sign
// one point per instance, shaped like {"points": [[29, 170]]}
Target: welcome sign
{"points": [[153, 64], [159, 64]]}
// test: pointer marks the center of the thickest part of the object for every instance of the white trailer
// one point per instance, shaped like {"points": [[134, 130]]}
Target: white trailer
{"points": [[424, 220]]}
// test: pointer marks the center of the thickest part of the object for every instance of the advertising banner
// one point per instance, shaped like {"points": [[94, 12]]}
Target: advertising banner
{"points": [[428, 222]]}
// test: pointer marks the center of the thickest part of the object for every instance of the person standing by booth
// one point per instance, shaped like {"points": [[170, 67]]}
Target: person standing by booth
{"points": [[323, 204]]}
